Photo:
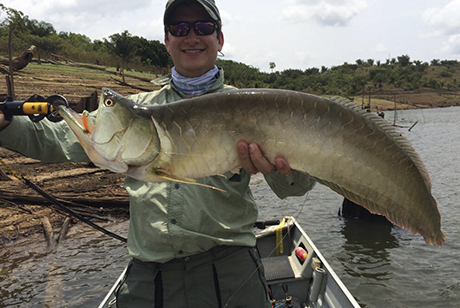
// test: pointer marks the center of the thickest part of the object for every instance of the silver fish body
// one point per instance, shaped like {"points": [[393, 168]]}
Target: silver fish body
{"points": [[355, 153]]}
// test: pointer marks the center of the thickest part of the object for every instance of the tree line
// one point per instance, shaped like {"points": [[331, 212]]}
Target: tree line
{"points": [[120, 49], [349, 79], [134, 52]]}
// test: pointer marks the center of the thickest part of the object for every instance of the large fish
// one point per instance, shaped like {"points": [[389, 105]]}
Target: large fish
{"points": [[355, 153]]}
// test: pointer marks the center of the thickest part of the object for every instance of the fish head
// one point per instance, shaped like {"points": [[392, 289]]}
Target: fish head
{"points": [[119, 136]]}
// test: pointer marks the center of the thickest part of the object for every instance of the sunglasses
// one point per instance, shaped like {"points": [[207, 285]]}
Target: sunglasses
{"points": [[200, 28]]}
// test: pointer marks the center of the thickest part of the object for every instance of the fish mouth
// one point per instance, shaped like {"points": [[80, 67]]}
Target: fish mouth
{"points": [[73, 119]]}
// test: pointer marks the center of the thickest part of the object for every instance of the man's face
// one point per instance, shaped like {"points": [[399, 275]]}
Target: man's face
{"points": [[193, 55]]}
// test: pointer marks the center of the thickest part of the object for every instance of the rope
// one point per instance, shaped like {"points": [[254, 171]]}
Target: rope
{"points": [[60, 205]]}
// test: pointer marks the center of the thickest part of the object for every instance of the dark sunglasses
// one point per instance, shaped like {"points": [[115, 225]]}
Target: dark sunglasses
{"points": [[200, 28]]}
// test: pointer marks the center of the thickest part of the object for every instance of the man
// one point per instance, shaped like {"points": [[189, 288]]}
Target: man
{"points": [[191, 246]]}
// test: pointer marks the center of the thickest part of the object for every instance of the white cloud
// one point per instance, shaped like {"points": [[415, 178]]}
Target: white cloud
{"points": [[96, 18], [446, 20], [452, 46], [325, 12]]}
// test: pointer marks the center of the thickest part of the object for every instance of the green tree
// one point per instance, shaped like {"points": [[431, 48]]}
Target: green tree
{"points": [[123, 46], [39, 28], [358, 84], [151, 52], [435, 62], [43, 36], [404, 60]]}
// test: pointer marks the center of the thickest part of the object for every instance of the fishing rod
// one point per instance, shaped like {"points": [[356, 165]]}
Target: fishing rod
{"points": [[59, 205], [36, 107]]}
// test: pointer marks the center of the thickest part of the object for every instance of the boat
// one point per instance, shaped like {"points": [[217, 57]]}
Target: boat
{"points": [[297, 274]]}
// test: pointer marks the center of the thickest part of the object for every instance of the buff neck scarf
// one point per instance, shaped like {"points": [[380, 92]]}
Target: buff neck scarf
{"points": [[195, 85]]}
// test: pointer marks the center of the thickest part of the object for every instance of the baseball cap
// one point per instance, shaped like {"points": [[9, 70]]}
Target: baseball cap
{"points": [[209, 6]]}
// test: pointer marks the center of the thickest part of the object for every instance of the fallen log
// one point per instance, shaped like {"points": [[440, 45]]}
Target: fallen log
{"points": [[18, 63], [96, 200], [3, 176], [124, 83]]}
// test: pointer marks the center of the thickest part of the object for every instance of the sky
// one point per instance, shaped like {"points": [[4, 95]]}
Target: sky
{"points": [[294, 34]]}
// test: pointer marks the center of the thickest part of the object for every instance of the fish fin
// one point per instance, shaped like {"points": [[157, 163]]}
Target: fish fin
{"points": [[170, 177], [236, 170]]}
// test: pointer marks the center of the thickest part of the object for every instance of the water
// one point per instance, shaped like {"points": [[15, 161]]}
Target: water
{"points": [[381, 266], [78, 274]]}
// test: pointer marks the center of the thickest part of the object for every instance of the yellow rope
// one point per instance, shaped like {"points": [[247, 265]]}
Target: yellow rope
{"points": [[13, 172], [279, 237]]}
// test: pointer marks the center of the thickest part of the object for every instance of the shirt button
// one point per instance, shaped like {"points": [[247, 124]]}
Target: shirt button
{"points": [[173, 221], [180, 252], [176, 186]]}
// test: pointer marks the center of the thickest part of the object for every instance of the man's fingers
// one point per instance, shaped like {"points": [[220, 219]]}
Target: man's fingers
{"points": [[259, 161], [252, 160], [283, 166], [245, 158]]}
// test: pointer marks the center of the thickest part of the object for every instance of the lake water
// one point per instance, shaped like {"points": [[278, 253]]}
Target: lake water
{"points": [[381, 266]]}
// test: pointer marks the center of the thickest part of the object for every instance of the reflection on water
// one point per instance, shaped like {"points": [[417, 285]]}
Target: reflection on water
{"points": [[366, 247], [78, 274]]}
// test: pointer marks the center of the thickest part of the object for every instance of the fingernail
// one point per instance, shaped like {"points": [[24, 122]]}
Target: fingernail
{"points": [[279, 164], [252, 148]]}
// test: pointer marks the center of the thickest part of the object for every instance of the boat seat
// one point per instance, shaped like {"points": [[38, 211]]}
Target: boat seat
{"points": [[277, 268]]}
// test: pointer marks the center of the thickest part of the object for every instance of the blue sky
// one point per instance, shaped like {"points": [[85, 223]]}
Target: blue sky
{"points": [[297, 34]]}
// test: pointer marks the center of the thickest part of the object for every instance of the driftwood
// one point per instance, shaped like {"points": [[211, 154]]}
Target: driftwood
{"points": [[49, 234], [53, 241], [18, 63], [124, 83], [14, 193], [3, 176]]}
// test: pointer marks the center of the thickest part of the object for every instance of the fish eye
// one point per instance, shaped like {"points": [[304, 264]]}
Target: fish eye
{"points": [[109, 102]]}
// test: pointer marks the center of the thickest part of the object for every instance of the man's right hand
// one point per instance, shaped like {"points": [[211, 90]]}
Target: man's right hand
{"points": [[3, 123]]}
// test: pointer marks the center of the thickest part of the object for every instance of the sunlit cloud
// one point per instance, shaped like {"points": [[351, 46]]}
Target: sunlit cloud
{"points": [[325, 12]]}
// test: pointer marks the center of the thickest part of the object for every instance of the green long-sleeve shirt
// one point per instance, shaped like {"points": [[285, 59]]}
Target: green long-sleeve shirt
{"points": [[167, 220]]}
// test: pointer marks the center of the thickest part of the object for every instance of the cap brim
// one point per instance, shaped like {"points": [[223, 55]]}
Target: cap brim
{"points": [[208, 6]]}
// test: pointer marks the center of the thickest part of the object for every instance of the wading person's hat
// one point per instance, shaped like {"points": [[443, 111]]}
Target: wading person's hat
{"points": [[209, 6]]}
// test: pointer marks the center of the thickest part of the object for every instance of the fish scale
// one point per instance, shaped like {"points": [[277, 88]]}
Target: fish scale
{"points": [[355, 153]]}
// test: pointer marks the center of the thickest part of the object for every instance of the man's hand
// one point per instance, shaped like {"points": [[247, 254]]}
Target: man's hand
{"points": [[3, 123], [253, 161]]}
